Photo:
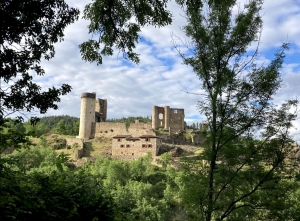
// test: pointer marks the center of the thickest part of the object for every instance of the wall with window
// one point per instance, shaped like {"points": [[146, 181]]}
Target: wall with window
{"points": [[168, 118], [134, 148]]}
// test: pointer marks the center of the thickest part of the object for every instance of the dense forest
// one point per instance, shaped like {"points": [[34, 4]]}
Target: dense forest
{"points": [[64, 124], [38, 183], [42, 186]]}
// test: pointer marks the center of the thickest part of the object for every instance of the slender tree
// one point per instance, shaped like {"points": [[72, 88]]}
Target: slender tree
{"points": [[238, 106], [249, 137]]}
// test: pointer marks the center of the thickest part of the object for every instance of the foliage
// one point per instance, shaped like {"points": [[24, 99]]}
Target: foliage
{"points": [[12, 135], [111, 22], [161, 131], [36, 130], [238, 102], [130, 120], [52, 121], [64, 124], [37, 185], [30, 158], [164, 160], [29, 29], [193, 126], [137, 188], [79, 195], [55, 196]]}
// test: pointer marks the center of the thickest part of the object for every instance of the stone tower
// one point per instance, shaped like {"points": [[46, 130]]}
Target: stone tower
{"points": [[92, 110], [87, 115], [167, 118]]}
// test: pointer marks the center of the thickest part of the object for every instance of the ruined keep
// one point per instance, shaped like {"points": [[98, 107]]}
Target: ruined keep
{"points": [[92, 110], [93, 114], [171, 119]]}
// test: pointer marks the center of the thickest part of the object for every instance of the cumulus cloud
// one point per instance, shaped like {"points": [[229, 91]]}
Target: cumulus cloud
{"points": [[160, 78]]}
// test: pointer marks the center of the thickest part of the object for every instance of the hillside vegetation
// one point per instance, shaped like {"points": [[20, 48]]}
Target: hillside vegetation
{"points": [[46, 180]]}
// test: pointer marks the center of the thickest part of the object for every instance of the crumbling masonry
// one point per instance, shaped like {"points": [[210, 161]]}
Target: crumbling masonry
{"points": [[136, 140], [92, 110], [171, 119]]}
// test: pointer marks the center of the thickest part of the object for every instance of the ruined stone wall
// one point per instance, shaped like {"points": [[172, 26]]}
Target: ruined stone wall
{"points": [[158, 117], [138, 148], [80, 150], [176, 119], [184, 137], [109, 129], [74, 141], [101, 110], [138, 129], [166, 118]]}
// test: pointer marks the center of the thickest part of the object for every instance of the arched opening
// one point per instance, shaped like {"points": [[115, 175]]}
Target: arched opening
{"points": [[160, 116]]}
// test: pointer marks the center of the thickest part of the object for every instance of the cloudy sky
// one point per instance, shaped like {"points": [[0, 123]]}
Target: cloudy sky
{"points": [[161, 78]]}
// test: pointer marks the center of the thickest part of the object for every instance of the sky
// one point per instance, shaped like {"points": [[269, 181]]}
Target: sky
{"points": [[161, 78]]}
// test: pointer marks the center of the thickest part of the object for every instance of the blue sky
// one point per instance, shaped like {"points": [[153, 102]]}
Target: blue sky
{"points": [[161, 78]]}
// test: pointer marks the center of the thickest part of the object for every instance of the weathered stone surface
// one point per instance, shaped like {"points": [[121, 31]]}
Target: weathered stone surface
{"points": [[127, 146], [171, 119]]}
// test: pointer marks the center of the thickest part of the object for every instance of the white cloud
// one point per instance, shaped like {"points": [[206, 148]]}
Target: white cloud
{"points": [[160, 78]]}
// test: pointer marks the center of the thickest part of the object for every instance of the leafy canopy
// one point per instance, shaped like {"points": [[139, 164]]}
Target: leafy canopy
{"points": [[115, 24], [28, 32]]}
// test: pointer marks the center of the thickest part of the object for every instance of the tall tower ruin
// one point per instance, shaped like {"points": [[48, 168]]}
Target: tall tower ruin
{"points": [[167, 118], [100, 110], [92, 110]]}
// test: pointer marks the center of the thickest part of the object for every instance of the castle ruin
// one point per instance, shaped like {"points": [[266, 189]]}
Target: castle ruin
{"points": [[171, 119], [133, 141], [92, 110], [93, 115]]}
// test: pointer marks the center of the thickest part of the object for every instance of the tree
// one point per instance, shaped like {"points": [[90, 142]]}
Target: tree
{"points": [[61, 127], [111, 21], [36, 130], [249, 137], [238, 103], [28, 32], [12, 135]]}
